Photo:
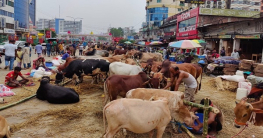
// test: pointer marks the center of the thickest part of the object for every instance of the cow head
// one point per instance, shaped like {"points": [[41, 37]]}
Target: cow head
{"points": [[186, 116], [243, 112], [157, 80], [45, 80], [59, 77]]}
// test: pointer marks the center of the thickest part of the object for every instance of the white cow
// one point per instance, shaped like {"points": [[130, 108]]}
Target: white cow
{"points": [[119, 68], [178, 110], [137, 116]]}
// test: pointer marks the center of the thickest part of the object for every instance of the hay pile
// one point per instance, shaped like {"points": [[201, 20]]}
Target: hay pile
{"points": [[223, 85]]}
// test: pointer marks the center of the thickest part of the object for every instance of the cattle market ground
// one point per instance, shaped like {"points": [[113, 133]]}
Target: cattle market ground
{"points": [[38, 119]]}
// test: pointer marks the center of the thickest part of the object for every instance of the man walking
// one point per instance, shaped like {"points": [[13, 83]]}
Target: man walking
{"points": [[38, 50], [48, 48], [74, 49], [10, 54]]}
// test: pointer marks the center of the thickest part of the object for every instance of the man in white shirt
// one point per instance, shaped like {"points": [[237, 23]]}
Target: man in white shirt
{"points": [[235, 54], [10, 54]]}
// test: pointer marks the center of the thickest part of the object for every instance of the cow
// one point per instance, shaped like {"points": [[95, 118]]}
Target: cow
{"points": [[119, 52], [120, 68], [117, 58], [68, 60], [199, 72], [151, 66], [145, 56], [246, 112], [119, 85], [4, 128], [56, 94], [131, 53], [137, 116], [178, 110], [91, 67], [130, 61]]}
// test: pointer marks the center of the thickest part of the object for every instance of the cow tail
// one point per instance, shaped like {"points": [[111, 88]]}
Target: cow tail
{"points": [[201, 79], [106, 95]]}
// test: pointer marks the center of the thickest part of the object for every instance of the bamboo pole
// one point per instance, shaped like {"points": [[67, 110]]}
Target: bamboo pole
{"points": [[187, 131], [212, 109], [205, 119], [13, 104]]}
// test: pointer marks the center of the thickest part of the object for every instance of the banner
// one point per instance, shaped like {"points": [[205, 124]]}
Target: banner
{"points": [[48, 34], [195, 1], [229, 12]]}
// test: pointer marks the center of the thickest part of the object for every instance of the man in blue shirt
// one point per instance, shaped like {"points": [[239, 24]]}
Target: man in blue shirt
{"points": [[38, 49], [74, 48], [49, 48]]}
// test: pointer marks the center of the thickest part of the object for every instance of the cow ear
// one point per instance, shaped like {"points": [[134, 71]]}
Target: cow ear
{"points": [[257, 110], [236, 102]]}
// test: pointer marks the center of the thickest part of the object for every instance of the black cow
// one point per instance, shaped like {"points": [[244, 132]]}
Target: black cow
{"points": [[88, 67], [56, 94]]}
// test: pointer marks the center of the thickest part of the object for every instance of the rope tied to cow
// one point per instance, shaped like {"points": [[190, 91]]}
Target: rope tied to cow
{"points": [[252, 121], [179, 126]]}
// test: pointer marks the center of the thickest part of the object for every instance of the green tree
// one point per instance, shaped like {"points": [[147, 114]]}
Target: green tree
{"points": [[116, 32], [102, 38]]}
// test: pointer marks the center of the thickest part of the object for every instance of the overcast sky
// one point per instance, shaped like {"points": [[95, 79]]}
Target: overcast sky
{"points": [[97, 15]]}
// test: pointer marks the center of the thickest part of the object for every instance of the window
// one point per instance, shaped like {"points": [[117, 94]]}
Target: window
{"points": [[179, 9], [181, 3], [159, 1], [261, 8]]}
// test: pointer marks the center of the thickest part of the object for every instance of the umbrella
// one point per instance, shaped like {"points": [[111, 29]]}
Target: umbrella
{"points": [[141, 43], [155, 43], [201, 42], [185, 44], [127, 42]]}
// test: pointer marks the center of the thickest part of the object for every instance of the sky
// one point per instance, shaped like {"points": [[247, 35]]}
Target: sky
{"points": [[98, 15]]}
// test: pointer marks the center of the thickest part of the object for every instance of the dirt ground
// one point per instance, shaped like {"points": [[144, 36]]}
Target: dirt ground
{"points": [[38, 119]]}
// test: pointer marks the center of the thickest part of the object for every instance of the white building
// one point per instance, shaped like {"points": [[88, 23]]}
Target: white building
{"points": [[60, 25], [7, 24]]}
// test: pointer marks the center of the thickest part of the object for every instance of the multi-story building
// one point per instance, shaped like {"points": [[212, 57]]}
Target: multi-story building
{"points": [[60, 25], [6, 17], [249, 5], [25, 13], [158, 10]]}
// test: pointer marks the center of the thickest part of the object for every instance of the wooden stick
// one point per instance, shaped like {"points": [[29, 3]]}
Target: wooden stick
{"points": [[212, 109], [187, 131], [205, 119]]}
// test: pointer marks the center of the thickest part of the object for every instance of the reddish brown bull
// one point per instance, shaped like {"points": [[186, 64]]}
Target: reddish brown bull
{"points": [[246, 112], [68, 61], [119, 85], [119, 52]]}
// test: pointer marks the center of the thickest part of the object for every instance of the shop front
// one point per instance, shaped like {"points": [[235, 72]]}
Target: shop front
{"points": [[169, 28], [187, 25]]}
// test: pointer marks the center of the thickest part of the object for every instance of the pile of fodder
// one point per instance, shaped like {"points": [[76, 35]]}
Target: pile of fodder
{"points": [[222, 84]]}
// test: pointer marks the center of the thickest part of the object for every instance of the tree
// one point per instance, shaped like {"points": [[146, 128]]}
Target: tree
{"points": [[102, 38], [116, 32]]}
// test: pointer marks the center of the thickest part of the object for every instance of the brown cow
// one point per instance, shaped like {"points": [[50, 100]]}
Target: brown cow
{"points": [[199, 72], [246, 112], [131, 53], [151, 66], [119, 52], [4, 128], [68, 60], [117, 58], [145, 56], [119, 85]]}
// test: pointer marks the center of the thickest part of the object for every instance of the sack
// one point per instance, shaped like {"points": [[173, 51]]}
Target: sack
{"points": [[245, 85], [234, 78]]}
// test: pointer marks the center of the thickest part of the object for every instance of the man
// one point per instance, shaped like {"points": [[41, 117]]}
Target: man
{"points": [[38, 50], [223, 52], [215, 121], [188, 79], [61, 48], [10, 78], [74, 47], [235, 54], [44, 51], [48, 47], [10, 54]]}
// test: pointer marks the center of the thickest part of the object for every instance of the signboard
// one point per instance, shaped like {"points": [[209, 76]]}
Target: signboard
{"points": [[189, 31], [187, 15], [9, 31], [1, 31], [195, 1], [229, 12], [224, 36], [248, 36], [48, 34], [130, 37]]}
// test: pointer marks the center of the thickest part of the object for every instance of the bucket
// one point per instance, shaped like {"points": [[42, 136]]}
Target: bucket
{"points": [[172, 58], [241, 93], [179, 62]]}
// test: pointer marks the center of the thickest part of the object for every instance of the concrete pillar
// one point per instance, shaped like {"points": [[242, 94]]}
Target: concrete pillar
{"points": [[236, 44], [220, 45]]}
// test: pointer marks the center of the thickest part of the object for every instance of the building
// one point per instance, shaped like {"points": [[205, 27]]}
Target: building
{"points": [[248, 5], [6, 18], [158, 10], [25, 13], [61, 26]]}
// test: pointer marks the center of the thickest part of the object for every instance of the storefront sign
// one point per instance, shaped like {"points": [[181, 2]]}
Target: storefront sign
{"points": [[9, 31], [224, 36], [169, 34], [195, 1], [189, 28], [187, 15], [189, 31], [248, 36], [229, 12], [1, 31]]}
